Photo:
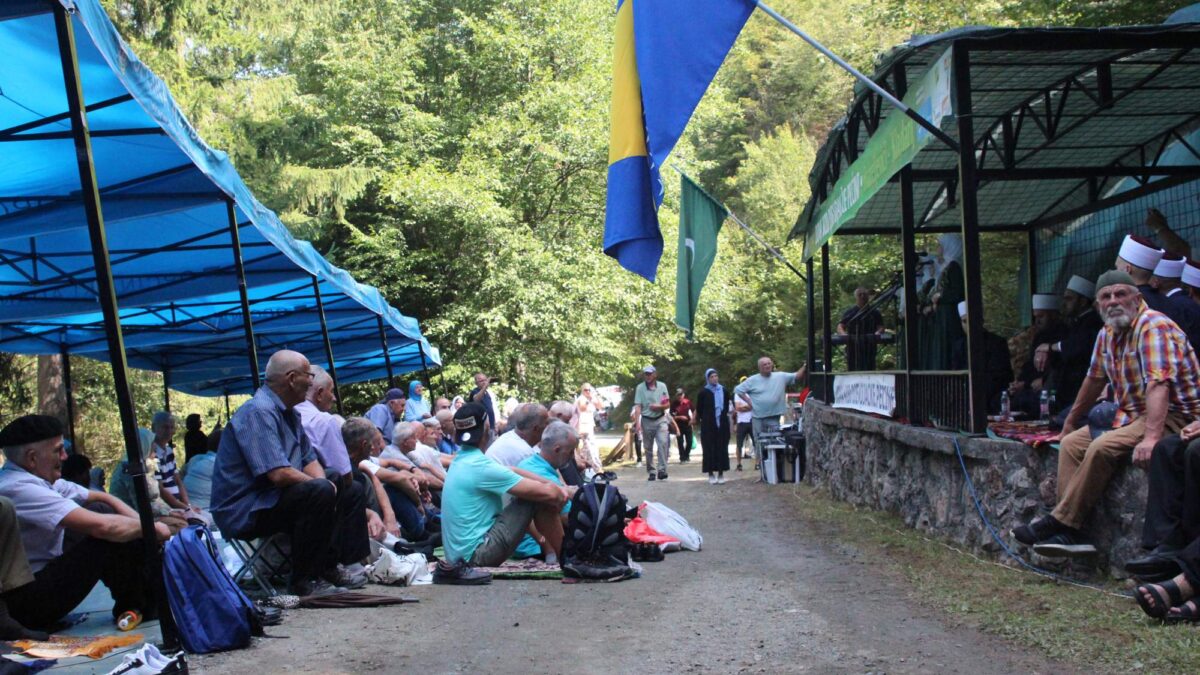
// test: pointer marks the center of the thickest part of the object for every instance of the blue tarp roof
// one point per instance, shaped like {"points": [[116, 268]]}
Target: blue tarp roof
{"points": [[164, 196]]}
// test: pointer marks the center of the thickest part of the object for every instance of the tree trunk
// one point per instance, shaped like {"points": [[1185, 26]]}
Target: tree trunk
{"points": [[52, 392]]}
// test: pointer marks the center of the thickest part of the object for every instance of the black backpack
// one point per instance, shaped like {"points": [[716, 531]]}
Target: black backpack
{"points": [[594, 544]]}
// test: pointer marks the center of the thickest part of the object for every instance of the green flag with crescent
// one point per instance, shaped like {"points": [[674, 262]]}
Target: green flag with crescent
{"points": [[700, 220]]}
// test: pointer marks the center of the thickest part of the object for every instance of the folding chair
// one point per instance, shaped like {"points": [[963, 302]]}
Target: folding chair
{"points": [[253, 554]]}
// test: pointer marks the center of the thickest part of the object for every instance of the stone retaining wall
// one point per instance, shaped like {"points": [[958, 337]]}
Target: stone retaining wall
{"points": [[914, 473]]}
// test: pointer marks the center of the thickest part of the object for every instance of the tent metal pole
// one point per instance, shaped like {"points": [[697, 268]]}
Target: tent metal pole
{"points": [[969, 208], [1033, 279], [107, 296], [337, 395], [909, 246], [424, 366], [240, 270], [68, 386], [228, 415], [810, 288], [826, 329], [166, 389], [387, 357]]}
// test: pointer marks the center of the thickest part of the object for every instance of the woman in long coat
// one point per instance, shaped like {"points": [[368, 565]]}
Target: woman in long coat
{"points": [[714, 409]]}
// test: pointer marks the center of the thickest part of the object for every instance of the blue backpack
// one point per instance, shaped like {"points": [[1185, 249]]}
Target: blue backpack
{"points": [[212, 613]]}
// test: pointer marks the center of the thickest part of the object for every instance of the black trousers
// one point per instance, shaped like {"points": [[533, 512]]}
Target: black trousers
{"points": [[325, 527], [61, 585], [685, 441], [744, 431], [1173, 503]]}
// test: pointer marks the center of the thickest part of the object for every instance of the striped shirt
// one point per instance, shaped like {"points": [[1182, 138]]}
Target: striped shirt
{"points": [[166, 471], [1153, 349]]}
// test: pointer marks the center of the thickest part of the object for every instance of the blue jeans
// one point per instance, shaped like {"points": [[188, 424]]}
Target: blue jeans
{"points": [[412, 521]]}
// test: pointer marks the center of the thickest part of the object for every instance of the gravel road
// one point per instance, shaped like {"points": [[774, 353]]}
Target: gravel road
{"points": [[768, 594]]}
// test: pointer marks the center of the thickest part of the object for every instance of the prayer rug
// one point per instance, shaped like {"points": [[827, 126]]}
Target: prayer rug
{"points": [[58, 647], [1033, 434]]}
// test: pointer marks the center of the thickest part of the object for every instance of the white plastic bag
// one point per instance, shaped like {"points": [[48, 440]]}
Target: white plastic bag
{"points": [[396, 570], [666, 521]]}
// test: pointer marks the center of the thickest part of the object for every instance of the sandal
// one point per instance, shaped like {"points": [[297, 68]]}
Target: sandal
{"points": [[1188, 612], [1159, 606]]}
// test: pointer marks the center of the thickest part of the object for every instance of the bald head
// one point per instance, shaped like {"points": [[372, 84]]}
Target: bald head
{"points": [[289, 376]]}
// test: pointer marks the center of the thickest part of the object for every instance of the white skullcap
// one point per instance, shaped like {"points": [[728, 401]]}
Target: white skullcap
{"points": [[1140, 252], [1170, 267], [1046, 302], [1191, 274], [962, 306], [1082, 286]]}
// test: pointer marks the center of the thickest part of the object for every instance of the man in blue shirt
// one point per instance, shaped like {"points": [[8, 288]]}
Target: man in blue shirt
{"points": [[478, 529], [387, 412], [766, 394], [555, 450], [267, 480], [481, 396]]}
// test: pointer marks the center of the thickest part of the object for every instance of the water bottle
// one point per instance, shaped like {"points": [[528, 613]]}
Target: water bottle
{"points": [[1045, 405], [1005, 407], [1053, 400]]}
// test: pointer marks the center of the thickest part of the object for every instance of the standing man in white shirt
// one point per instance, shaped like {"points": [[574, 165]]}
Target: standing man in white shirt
{"points": [[651, 401]]}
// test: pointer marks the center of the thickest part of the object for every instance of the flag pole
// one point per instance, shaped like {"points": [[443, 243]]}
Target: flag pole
{"points": [[868, 82], [753, 235]]}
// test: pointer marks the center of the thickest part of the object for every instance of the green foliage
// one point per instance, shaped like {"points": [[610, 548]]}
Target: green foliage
{"points": [[454, 154]]}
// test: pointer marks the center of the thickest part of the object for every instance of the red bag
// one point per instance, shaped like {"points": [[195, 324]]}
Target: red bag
{"points": [[639, 531]]}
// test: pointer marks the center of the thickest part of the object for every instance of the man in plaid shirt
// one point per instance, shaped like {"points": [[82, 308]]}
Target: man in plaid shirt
{"points": [[1155, 378]]}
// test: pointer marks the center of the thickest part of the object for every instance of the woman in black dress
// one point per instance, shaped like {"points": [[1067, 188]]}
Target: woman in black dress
{"points": [[714, 408]]}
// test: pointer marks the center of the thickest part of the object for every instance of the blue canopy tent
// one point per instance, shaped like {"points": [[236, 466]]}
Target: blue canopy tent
{"points": [[108, 194]]}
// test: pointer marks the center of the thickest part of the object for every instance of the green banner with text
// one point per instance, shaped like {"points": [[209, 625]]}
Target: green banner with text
{"points": [[890, 149]]}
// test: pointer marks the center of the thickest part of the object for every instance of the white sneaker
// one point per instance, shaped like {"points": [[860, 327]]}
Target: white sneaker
{"points": [[712, 480], [721, 479]]}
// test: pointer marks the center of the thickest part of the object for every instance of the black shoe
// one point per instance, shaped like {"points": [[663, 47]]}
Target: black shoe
{"points": [[1160, 563], [650, 476], [1066, 544], [662, 475], [1037, 530], [11, 629], [459, 574], [340, 576], [314, 588]]}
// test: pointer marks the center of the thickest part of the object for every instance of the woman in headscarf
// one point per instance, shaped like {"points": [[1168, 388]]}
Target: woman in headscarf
{"points": [[714, 414], [941, 309], [417, 408], [457, 403]]}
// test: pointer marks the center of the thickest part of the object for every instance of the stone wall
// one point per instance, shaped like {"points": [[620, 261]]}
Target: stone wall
{"points": [[914, 473]]}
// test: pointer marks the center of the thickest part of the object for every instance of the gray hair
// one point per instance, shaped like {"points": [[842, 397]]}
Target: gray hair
{"points": [[443, 415], [356, 430], [557, 432], [283, 362], [321, 380], [527, 416], [160, 419], [402, 432], [558, 409], [431, 423]]}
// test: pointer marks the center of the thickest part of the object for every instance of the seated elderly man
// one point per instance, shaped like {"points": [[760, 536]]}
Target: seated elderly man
{"points": [[268, 479], [556, 450], [399, 491], [447, 444], [387, 412], [14, 572], [428, 442], [324, 429], [477, 528], [525, 426], [408, 449], [1146, 359], [108, 545], [571, 472]]}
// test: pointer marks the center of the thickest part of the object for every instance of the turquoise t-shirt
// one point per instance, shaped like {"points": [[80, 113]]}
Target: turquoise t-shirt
{"points": [[472, 498], [536, 464]]}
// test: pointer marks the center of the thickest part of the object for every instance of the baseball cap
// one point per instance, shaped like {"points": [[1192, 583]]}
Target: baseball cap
{"points": [[393, 394], [649, 369], [470, 424]]}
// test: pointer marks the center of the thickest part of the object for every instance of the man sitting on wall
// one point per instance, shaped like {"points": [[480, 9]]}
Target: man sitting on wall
{"points": [[1147, 361], [108, 547]]}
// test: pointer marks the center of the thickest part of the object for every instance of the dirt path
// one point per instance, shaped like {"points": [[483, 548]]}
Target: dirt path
{"points": [[768, 594]]}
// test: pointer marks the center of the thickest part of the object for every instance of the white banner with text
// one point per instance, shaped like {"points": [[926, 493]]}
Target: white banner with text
{"points": [[872, 393]]}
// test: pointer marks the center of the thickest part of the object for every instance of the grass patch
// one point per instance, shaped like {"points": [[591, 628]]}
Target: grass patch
{"points": [[1068, 623]]}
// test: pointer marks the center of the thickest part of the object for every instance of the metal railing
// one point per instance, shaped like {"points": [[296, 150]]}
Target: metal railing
{"points": [[939, 398]]}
